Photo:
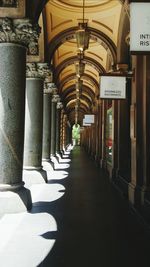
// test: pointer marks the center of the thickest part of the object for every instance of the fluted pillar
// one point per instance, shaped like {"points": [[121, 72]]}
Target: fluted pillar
{"points": [[33, 171], [15, 35]]}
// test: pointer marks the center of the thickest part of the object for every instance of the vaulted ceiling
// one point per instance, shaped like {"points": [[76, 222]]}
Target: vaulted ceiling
{"points": [[61, 19]]}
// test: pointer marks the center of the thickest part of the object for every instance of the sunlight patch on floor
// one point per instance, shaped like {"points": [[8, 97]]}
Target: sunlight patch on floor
{"points": [[57, 175], [22, 239], [46, 192]]}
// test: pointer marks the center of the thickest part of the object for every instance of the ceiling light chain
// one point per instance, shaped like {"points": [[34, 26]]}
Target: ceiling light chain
{"points": [[82, 34]]}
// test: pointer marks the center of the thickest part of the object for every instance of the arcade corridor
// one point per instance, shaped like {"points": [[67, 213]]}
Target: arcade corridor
{"points": [[94, 225], [74, 133]]}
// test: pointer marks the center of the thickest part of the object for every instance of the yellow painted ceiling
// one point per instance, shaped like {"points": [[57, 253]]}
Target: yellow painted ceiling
{"points": [[61, 22]]}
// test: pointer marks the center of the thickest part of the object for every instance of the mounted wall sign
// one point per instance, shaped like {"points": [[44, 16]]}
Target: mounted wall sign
{"points": [[139, 27], [113, 87], [85, 123], [89, 118]]}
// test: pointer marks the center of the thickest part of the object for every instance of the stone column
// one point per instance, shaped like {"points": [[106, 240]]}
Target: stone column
{"points": [[33, 171], [15, 35], [58, 125], [61, 132], [46, 73], [46, 123], [64, 132], [55, 99], [139, 186]]}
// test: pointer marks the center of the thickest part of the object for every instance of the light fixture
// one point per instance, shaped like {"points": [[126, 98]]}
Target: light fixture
{"points": [[82, 34], [79, 67], [78, 95], [76, 117], [79, 84]]}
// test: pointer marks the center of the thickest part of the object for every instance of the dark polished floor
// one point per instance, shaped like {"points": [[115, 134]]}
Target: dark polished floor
{"points": [[96, 228]]}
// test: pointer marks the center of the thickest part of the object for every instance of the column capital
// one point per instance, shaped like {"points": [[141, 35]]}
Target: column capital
{"points": [[31, 71], [59, 105], [45, 71], [20, 31], [50, 88], [55, 98]]}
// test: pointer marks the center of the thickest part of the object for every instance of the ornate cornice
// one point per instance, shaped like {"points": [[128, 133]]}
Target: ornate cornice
{"points": [[20, 31]]}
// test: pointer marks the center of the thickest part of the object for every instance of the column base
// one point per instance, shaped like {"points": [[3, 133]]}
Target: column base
{"points": [[121, 184], [47, 165], [53, 161], [137, 194], [131, 193], [139, 198], [58, 156], [34, 176], [15, 201], [103, 163]]}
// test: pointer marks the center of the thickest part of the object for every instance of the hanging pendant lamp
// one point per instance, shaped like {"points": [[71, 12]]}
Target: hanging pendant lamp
{"points": [[82, 34]]}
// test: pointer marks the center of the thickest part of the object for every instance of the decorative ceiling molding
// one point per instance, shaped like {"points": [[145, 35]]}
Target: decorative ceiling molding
{"points": [[73, 96], [63, 55], [70, 61], [55, 26], [89, 3], [95, 55], [103, 25], [71, 107], [65, 72], [84, 77], [35, 8], [86, 89], [69, 34], [90, 72]]}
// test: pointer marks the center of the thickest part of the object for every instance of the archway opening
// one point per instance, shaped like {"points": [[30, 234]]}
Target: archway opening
{"points": [[76, 134]]}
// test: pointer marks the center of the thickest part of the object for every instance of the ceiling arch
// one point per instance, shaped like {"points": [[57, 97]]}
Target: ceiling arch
{"points": [[35, 8], [86, 89], [71, 106], [69, 34], [60, 20], [73, 97], [72, 60], [86, 77]]}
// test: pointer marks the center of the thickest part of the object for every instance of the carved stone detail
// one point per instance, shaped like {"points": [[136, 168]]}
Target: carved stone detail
{"points": [[33, 48], [44, 70], [50, 88], [7, 34], [8, 3], [20, 31], [31, 71], [55, 98], [59, 105]]}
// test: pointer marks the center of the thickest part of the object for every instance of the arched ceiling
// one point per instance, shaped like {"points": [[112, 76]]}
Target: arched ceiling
{"points": [[61, 19]]}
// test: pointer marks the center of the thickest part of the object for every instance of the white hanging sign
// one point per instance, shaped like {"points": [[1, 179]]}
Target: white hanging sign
{"points": [[139, 27], [113, 87], [85, 123], [89, 118]]}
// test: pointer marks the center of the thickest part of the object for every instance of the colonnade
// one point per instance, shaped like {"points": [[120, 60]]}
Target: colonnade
{"points": [[30, 115]]}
